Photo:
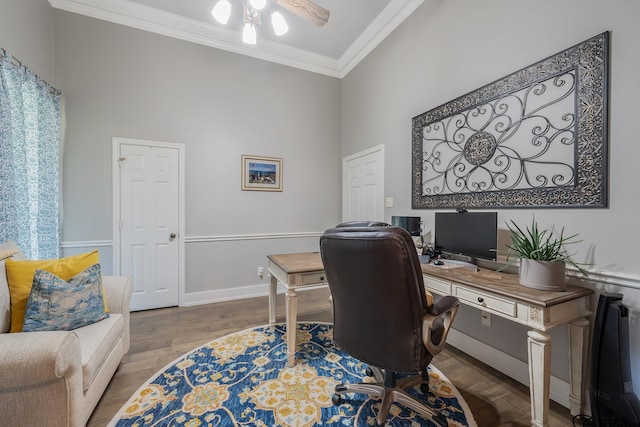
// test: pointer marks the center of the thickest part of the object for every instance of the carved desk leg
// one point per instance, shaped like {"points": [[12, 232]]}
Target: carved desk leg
{"points": [[578, 347], [292, 314], [539, 346], [273, 286]]}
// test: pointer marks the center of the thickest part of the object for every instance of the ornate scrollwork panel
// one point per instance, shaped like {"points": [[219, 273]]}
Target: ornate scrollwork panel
{"points": [[536, 138]]}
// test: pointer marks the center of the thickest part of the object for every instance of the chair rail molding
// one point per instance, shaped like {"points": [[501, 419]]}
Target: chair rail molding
{"points": [[238, 237], [602, 280], [86, 244]]}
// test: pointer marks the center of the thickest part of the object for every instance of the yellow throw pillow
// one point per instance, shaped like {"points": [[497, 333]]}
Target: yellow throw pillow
{"points": [[20, 278]]}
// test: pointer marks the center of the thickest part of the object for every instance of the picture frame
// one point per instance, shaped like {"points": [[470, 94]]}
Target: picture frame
{"points": [[537, 138], [260, 173]]}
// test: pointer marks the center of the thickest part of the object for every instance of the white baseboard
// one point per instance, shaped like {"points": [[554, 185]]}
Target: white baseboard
{"points": [[229, 294], [508, 365]]}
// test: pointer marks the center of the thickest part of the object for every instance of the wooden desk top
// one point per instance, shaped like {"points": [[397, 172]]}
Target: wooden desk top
{"points": [[298, 263], [505, 284]]}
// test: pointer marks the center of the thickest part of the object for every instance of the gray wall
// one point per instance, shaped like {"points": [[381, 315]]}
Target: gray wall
{"points": [[449, 48], [26, 31], [123, 82], [446, 49]]}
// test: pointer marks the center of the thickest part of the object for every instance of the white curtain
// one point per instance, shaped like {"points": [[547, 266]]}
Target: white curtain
{"points": [[29, 161]]}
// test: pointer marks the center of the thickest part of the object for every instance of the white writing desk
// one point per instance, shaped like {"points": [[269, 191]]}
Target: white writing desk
{"points": [[497, 293], [502, 295]]}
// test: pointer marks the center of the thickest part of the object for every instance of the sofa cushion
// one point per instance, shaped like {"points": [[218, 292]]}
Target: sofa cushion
{"points": [[7, 253], [57, 305], [20, 277], [5, 298], [96, 342]]}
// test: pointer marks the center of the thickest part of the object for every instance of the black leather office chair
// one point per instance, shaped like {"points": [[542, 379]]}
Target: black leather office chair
{"points": [[381, 312]]}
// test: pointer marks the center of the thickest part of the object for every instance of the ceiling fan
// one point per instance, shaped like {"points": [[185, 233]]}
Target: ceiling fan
{"points": [[305, 9]]}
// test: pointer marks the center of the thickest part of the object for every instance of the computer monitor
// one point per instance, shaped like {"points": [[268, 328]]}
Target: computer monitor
{"points": [[409, 223], [472, 234]]}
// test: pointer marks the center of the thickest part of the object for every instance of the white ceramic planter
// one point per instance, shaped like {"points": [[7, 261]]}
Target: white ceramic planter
{"points": [[543, 275]]}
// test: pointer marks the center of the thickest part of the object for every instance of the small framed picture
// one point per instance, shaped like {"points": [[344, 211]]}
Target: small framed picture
{"points": [[261, 173]]}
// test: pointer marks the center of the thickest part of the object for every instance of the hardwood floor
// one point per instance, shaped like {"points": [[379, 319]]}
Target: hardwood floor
{"points": [[158, 337]]}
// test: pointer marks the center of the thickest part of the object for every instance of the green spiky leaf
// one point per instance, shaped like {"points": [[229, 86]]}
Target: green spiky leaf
{"points": [[540, 245]]}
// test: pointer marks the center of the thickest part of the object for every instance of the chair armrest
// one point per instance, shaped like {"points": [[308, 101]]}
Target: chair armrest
{"points": [[29, 358], [118, 290], [442, 305], [439, 315]]}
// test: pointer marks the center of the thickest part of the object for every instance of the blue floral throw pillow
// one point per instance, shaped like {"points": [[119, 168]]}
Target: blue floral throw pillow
{"points": [[56, 305]]}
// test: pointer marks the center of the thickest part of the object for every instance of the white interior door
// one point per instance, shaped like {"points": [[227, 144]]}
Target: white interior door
{"points": [[363, 186], [149, 227]]}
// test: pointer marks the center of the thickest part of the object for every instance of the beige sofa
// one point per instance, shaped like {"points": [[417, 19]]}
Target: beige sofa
{"points": [[57, 378]]}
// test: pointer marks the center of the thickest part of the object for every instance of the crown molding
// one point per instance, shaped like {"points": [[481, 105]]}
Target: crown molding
{"points": [[388, 20], [168, 24]]}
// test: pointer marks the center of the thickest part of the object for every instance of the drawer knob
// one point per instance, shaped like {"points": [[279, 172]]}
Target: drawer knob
{"points": [[322, 278], [480, 300]]}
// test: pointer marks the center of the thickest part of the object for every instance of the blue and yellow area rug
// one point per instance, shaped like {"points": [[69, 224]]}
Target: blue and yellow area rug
{"points": [[242, 380]]}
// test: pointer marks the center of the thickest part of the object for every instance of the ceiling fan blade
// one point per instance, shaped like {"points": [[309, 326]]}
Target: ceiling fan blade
{"points": [[306, 9]]}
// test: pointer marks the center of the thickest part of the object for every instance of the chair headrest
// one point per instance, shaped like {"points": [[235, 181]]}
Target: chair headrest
{"points": [[362, 224], [355, 231]]}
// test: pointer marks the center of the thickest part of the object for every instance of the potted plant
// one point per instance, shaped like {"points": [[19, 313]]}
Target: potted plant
{"points": [[543, 256]]}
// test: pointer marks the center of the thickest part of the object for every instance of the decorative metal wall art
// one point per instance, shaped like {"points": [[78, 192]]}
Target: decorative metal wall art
{"points": [[535, 138]]}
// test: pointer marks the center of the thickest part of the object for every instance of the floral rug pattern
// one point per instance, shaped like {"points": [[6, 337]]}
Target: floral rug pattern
{"points": [[242, 380]]}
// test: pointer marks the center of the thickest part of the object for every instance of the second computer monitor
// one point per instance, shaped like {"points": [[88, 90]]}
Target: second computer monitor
{"points": [[409, 223]]}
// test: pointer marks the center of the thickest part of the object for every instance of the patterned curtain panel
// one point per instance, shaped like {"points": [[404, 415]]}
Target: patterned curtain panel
{"points": [[30, 161]]}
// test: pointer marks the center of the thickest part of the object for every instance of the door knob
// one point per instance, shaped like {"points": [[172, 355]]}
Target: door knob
{"points": [[172, 236]]}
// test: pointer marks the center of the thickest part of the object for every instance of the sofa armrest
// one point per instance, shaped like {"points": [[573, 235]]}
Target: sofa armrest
{"points": [[41, 379], [118, 290], [31, 358]]}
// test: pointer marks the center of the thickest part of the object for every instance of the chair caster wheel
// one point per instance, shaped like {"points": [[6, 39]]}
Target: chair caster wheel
{"points": [[336, 399], [369, 372], [424, 388]]}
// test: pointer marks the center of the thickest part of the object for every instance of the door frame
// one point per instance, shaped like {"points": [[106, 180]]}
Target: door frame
{"points": [[378, 149], [117, 142]]}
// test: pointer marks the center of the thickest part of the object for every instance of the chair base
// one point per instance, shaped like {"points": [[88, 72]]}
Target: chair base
{"points": [[390, 390]]}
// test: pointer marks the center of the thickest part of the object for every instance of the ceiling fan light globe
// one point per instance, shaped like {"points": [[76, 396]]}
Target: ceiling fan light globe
{"points": [[279, 24], [222, 11], [258, 4], [249, 34]]}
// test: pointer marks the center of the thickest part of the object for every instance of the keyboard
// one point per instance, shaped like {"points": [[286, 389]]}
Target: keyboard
{"points": [[456, 262], [452, 263]]}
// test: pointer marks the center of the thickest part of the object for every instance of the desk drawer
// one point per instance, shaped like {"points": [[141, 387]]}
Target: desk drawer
{"points": [[436, 286], [313, 278], [485, 301]]}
